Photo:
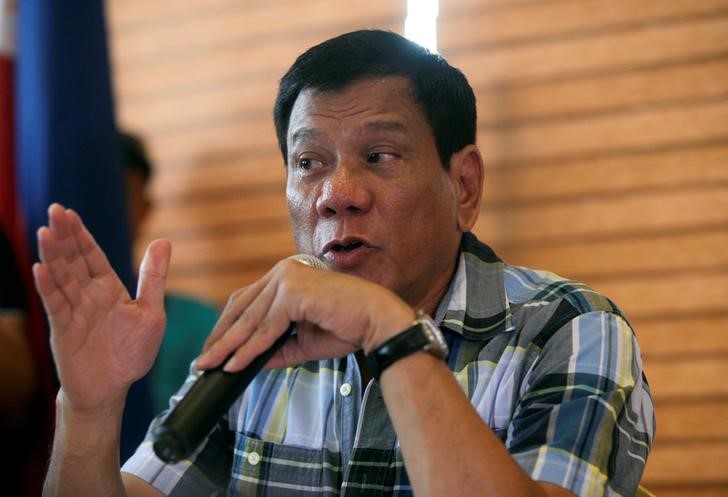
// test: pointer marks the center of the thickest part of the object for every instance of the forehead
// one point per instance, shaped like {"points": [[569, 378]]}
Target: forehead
{"points": [[378, 104]]}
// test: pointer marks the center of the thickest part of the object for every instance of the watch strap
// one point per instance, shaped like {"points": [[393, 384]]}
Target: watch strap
{"points": [[409, 341]]}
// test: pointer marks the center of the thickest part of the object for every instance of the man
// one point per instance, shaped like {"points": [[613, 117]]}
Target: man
{"points": [[541, 392]]}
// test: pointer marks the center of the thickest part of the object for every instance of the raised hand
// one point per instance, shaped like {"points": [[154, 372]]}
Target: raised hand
{"points": [[102, 339], [336, 314]]}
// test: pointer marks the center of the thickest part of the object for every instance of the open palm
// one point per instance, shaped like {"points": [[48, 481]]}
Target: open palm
{"points": [[102, 339]]}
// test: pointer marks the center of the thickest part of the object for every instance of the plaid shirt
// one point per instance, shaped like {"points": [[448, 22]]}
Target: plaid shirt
{"points": [[551, 366]]}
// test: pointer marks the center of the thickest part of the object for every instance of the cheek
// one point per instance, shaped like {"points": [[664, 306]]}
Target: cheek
{"points": [[300, 212], [429, 205]]}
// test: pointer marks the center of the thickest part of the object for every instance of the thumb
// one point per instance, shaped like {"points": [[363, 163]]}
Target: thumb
{"points": [[153, 274]]}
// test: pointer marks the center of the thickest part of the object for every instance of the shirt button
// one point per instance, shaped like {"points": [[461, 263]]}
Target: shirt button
{"points": [[253, 458], [345, 389]]}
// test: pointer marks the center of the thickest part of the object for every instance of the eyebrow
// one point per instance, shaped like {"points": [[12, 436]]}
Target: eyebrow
{"points": [[384, 126], [371, 127], [304, 134]]}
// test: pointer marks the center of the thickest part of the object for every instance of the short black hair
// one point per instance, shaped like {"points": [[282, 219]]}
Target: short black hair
{"points": [[134, 155], [441, 90]]}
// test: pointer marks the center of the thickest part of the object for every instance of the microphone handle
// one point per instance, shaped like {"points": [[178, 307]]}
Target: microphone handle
{"points": [[209, 398]]}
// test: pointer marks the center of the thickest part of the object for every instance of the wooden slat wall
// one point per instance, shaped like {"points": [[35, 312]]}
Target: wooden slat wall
{"points": [[605, 131]]}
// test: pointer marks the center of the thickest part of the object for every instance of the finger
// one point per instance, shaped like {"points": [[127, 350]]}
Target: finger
{"points": [[253, 305], [272, 322], [96, 263], [61, 222], [290, 354], [58, 222], [237, 303], [54, 301], [225, 320], [50, 250], [153, 274], [66, 226], [310, 343]]}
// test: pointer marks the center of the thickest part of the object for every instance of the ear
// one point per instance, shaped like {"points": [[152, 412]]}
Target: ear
{"points": [[467, 173]]}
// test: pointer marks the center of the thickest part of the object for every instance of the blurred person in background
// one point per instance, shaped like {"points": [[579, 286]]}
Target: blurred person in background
{"points": [[189, 319]]}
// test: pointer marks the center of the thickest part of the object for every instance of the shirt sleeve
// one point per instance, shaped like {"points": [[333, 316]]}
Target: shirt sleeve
{"points": [[205, 473], [585, 418]]}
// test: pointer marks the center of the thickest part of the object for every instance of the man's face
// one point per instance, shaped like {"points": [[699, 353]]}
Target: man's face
{"points": [[366, 189]]}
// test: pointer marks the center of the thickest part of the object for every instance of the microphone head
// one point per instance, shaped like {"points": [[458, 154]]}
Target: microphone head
{"points": [[309, 260]]}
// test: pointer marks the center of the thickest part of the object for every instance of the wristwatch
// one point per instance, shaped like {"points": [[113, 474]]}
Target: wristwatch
{"points": [[423, 334]]}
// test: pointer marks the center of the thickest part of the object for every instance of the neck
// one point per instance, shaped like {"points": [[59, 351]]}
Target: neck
{"points": [[430, 301]]}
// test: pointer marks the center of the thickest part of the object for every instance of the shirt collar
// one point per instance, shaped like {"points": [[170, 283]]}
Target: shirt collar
{"points": [[475, 306]]}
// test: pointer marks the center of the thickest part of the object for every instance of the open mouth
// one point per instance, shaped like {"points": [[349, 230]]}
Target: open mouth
{"points": [[346, 252], [346, 247]]}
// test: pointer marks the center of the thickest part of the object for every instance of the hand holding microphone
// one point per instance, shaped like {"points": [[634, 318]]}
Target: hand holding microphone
{"points": [[210, 397], [337, 314]]}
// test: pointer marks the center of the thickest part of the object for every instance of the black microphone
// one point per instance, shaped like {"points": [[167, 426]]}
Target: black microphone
{"points": [[210, 397]]}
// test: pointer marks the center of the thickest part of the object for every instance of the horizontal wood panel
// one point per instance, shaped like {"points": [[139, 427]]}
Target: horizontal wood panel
{"points": [[239, 25], [603, 92], [636, 214], [688, 379], [598, 53], [195, 142], [481, 25], [682, 293], [251, 100], [213, 255], [226, 216], [672, 490], [264, 60], [210, 177], [686, 336], [625, 257], [570, 179], [690, 421], [597, 135], [687, 464], [129, 15], [493, 5]]}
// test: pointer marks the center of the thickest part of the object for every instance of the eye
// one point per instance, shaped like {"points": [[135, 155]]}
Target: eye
{"points": [[307, 163], [379, 157]]}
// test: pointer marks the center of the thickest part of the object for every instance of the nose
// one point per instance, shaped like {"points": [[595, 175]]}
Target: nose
{"points": [[345, 191]]}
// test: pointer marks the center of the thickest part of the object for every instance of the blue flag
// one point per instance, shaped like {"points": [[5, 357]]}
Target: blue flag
{"points": [[67, 141]]}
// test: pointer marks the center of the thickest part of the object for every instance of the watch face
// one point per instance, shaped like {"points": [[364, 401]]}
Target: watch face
{"points": [[422, 335], [437, 345]]}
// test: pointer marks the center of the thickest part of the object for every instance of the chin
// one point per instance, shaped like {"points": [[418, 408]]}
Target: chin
{"points": [[373, 274]]}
